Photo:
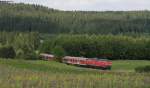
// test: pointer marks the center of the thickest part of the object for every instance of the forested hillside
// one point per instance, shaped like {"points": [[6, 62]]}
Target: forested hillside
{"points": [[28, 30], [24, 17]]}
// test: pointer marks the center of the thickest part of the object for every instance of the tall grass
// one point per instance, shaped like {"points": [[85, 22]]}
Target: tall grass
{"points": [[42, 74]]}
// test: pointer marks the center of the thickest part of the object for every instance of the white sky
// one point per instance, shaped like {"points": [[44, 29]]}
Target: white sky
{"points": [[96, 5]]}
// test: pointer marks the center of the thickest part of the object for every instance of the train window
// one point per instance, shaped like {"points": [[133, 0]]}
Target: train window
{"points": [[76, 61]]}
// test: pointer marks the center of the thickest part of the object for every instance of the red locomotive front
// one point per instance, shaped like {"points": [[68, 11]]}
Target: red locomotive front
{"points": [[103, 64]]}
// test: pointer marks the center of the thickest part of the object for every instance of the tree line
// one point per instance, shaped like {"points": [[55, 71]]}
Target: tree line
{"points": [[100, 46], [36, 18], [28, 45], [19, 45], [27, 30]]}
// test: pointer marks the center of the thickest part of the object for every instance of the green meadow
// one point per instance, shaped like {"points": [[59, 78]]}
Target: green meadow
{"points": [[45, 74]]}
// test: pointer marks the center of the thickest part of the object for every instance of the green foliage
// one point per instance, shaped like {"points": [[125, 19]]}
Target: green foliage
{"points": [[7, 52], [35, 18], [21, 24], [113, 47], [59, 52], [46, 46], [23, 44], [28, 45]]}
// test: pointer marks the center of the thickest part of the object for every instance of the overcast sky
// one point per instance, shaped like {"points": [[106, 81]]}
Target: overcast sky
{"points": [[98, 5]]}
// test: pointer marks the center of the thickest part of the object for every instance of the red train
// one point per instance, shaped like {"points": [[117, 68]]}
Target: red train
{"points": [[88, 62], [81, 61]]}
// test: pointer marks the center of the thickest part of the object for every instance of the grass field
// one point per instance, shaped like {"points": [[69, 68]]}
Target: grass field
{"points": [[43, 74]]}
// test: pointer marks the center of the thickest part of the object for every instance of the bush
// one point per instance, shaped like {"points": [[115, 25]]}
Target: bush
{"points": [[46, 46], [143, 69], [31, 56], [59, 52], [7, 52], [27, 55]]}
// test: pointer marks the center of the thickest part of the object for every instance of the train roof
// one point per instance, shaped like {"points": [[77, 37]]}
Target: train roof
{"points": [[70, 57], [47, 55]]}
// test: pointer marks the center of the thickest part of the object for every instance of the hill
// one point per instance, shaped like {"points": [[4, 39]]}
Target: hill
{"points": [[25, 17]]}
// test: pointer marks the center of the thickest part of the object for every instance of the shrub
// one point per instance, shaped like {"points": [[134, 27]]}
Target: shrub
{"points": [[7, 52], [46, 46], [59, 52], [143, 69], [31, 56], [27, 55]]}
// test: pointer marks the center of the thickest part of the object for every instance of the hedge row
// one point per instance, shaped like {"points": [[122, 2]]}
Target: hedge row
{"points": [[112, 47]]}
